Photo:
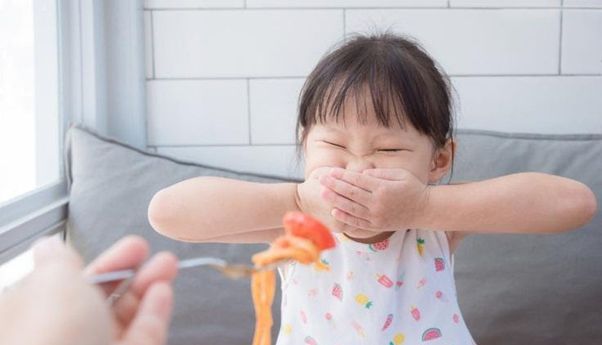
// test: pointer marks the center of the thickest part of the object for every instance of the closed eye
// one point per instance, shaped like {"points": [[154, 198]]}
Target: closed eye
{"points": [[390, 150], [333, 144]]}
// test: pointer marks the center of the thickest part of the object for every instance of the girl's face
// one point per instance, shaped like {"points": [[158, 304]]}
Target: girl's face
{"points": [[352, 145]]}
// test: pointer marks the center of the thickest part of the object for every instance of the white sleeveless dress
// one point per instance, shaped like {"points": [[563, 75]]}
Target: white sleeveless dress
{"points": [[398, 291]]}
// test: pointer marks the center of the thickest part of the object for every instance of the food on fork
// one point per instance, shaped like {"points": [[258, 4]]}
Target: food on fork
{"points": [[304, 239]]}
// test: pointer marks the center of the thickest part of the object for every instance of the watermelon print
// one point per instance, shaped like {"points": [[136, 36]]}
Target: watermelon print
{"points": [[394, 292]]}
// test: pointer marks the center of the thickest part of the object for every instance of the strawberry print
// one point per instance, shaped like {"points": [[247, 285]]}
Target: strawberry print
{"points": [[337, 291], [415, 313], [388, 322], [439, 264]]}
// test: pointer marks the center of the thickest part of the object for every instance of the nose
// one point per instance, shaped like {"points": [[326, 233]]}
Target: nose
{"points": [[359, 164]]}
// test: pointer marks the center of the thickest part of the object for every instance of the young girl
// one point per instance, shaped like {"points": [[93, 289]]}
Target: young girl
{"points": [[375, 128]]}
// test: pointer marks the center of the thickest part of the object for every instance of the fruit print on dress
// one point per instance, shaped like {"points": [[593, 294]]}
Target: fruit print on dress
{"points": [[310, 341], [388, 322], [384, 280], [398, 339], [415, 313], [440, 296], [303, 316], [456, 318], [363, 300], [358, 329], [420, 246], [322, 266], [431, 333], [329, 319], [337, 291], [379, 246], [287, 329], [439, 264], [421, 283]]}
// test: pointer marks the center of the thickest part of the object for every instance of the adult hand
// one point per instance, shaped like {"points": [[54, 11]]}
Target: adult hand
{"points": [[56, 305], [376, 199]]}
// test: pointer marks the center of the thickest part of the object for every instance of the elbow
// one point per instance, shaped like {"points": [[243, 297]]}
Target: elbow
{"points": [[160, 214], [583, 205]]}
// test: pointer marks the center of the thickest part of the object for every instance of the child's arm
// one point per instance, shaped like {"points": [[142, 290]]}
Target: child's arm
{"points": [[392, 199], [524, 202], [214, 209]]}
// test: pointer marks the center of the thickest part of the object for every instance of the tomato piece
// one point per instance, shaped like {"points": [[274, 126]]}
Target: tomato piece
{"points": [[304, 225]]}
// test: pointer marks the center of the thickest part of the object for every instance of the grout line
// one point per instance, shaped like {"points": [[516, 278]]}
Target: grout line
{"points": [[371, 8], [183, 146], [344, 23], [245, 5], [152, 25], [450, 75], [448, 4], [249, 110], [560, 39]]}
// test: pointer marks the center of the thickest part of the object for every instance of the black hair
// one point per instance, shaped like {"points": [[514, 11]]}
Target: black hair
{"points": [[404, 82]]}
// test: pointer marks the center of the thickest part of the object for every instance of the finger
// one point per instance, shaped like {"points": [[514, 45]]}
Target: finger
{"points": [[345, 204], [350, 220], [351, 192], [397, 174], [52, 250], [363, 181], [129, 252], [151, 322], [161, 268]]}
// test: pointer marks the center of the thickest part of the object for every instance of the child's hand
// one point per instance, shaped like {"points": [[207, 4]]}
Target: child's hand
{"points": [[376, 199], [309, 201]]}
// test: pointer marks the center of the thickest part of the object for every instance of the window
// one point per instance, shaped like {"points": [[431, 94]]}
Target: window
{"points": [[29, 115], [33, 196]]}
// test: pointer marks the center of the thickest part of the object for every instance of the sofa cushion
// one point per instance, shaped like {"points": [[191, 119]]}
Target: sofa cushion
{"points": [[532, 289], [512, 289], [110, 190]]}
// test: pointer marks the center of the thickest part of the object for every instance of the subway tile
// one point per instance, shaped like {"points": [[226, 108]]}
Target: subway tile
{"points": [[469, 41], [562, 104], [271, 160], [582, 42], [197, 112], [274, 110], [258, 43], [582, 3], [148, 44], [505, 3], [346, 3], [176, 4]]}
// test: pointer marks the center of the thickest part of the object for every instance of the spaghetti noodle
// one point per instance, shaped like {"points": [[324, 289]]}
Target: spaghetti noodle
{"points": [[303, 241]]}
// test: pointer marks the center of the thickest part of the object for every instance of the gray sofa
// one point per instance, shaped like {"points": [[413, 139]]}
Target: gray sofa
{"points": [[513, 289]]}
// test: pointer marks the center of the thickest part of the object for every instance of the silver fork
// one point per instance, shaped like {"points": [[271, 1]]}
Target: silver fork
{"points": [[233, 271]]}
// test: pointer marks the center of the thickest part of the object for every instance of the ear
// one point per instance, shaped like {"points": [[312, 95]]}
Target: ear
{"points": [[442, 161]]}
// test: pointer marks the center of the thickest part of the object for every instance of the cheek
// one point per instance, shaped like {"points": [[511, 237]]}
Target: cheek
{"points": [[323, 158]]}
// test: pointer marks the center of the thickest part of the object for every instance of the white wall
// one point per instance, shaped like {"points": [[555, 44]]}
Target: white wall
{"points": [[223, 76]]}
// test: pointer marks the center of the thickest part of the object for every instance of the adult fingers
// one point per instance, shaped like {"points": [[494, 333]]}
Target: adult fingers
{"points": [[151, 321]]}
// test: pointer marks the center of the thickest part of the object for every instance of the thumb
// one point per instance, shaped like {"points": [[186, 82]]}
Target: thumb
{"points": [[151, 322], [52, 250]]}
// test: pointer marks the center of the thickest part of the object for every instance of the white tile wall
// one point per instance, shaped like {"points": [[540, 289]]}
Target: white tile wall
{"points": [[189, 4], [504, 3], [197, 112], [274, 110], [224, 76], [539, 104], [346, 3], [218, 44], [582, 42], [467, 41]]}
